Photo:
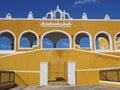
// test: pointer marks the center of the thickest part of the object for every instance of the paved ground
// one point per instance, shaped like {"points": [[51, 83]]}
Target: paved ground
{"points": [[64, 88]]}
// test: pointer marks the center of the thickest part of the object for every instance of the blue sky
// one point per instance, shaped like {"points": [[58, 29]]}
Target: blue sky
{"points": [[95, 9]]}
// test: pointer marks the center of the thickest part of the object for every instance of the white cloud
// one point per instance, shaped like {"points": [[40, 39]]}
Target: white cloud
{"points": [[65, 44], [48, 43], [84, 2], [5, 46]]}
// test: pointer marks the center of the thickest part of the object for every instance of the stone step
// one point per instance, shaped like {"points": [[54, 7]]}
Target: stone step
{"points": [[57, 83]]}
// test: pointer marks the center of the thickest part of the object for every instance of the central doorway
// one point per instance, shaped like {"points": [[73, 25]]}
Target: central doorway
{"points": [[57, 73]]}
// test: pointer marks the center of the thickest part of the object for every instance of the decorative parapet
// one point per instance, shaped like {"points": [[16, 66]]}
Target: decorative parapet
{"points": [[84, 16], [53, 14], [8, 16], [56, 24], [57, 18], [30, 15], [107, 17]]}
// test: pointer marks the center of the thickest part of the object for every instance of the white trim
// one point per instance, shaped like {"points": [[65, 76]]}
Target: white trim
{"points": [[115, 41], [7, 52], [56, 31], [110, 41], [96, 69], [109, 82], [81, 50], [56, 49], [43, 73], [13, 37], [84, 32], [26, 31], [56, 24], [24, 71], [71, 73], [95, 52]]}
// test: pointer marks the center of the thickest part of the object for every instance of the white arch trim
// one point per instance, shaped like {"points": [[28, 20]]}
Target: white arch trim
{"points": [[26, 32], [8, 51], [84, 33], [110, 41], [115, 41], [56, 31]]}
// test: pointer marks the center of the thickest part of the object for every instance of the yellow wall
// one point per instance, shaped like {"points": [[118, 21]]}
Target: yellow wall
{"points": [[90, 26], [27, 79], [31, 61], [87, 77], [83, 59]]}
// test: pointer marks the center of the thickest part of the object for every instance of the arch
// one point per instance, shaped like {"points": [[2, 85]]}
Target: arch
{"points": [[11, 36], [31, 36], [106, 36], [116, 41], [59, 12], [53, 33], [77, 37], [57, 15]]}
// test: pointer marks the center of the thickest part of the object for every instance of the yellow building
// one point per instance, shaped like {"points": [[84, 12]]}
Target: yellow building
{"points": [[37, 62]]}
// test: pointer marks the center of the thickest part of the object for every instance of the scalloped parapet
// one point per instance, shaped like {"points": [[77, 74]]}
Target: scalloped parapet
{"points": [[57, 14], [8, 16], [56, 18]]}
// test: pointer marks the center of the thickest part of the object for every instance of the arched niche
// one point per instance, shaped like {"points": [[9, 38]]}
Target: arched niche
{"points": [[103, 41], [117, 41]]}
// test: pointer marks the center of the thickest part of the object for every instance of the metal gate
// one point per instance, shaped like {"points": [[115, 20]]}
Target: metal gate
{"points": [[57, 71]]}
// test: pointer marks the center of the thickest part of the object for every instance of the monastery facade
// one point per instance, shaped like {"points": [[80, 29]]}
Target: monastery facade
{"points": [[52, 49]]}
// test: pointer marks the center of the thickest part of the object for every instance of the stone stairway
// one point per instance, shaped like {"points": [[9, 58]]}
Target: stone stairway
{"points": [[58, 83]]}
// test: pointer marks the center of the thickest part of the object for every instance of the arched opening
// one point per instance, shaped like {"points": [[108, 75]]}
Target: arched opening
{"points": [[117, 41], [28, 39], [7, 40], [56, 39], [83, 40], [49, 16], [103, 41], [66, 16], [58, 15]]}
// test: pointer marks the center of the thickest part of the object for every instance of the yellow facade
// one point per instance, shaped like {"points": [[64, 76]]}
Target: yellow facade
{"points": [[25, 62]]}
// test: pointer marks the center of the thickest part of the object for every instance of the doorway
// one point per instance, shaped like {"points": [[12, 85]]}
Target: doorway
{"points": [[57, 73]]}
